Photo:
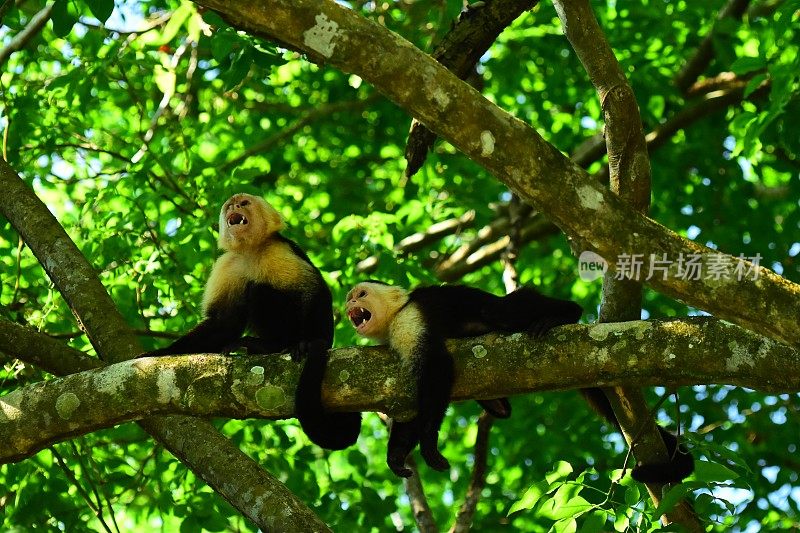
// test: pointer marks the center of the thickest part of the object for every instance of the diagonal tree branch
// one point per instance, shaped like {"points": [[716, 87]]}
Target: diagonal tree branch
{"points": [[42, 351], [257, 494], [704, 54], [670, 353], [33, 28], [469, 38], [519, 157]]}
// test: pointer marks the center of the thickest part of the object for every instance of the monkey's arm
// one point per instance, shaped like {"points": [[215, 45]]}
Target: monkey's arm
{"points": [[221, 328]]}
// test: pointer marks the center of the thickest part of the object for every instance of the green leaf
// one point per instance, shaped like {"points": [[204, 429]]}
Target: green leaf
{"points": [[165, 80], [175, 23], [221, 45], [594, 522], [673, 496], [743, 65], [621, 520], [560, 470], [710, 472], [753, 84], [530, 498], [568, 525], [101, 9], [238, 70], [63, 20], [632, 495], [566, 503]]}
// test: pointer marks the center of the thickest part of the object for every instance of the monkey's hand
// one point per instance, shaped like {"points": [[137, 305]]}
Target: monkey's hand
{"points": [[308, 348], [498, 408], [155, 353], [540, 328]]}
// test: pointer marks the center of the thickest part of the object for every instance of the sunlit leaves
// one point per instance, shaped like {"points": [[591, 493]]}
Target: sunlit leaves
{"points": [[244, 114]]}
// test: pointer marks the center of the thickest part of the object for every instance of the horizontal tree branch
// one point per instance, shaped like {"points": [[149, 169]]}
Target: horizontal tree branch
{"points": [[670, 353], [518, 156]]}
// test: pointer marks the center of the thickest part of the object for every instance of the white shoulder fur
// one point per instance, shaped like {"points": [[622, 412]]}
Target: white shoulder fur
{"points": [[275, 265], [406, 329]]}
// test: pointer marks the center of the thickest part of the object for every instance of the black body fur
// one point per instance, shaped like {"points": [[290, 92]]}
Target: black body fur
{"points": [[455, 311]]}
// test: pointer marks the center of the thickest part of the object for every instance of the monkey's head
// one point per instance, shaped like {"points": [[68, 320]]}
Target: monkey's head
{"points": [[371, 307], [246, 221]]}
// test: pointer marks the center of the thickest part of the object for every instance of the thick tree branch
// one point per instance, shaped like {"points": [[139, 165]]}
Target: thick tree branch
{"points": [[670, 353], [518, 156], [42, 351], [629, 168], [257, 494], [727, 90], [469, 38], [74, 277]]}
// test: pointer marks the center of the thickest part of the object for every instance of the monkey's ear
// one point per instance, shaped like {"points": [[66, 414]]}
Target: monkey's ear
{"points": [[275, 220]]}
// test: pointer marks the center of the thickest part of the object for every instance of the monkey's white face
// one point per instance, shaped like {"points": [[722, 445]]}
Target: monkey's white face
{"points": [[371, 307], [246, 221]]}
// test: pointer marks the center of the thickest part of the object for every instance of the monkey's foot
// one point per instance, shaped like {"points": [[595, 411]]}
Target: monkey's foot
{"points": [[398, 465], [435, 460]]}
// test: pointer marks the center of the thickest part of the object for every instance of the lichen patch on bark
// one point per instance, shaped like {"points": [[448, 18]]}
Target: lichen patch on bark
{"points": [[66, 404], [322, 36]]}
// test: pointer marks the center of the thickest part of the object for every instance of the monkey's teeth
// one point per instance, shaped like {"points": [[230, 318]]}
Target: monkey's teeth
{"points": [[359, 316], [237, 219]]}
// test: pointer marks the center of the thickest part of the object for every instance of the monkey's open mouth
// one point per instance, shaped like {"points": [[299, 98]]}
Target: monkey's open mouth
{"points": [[236, 218], [359, 316]]}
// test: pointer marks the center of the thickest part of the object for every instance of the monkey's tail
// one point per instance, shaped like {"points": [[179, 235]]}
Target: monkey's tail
{"points": [[679, 467], [333, 431], [681, 463]]}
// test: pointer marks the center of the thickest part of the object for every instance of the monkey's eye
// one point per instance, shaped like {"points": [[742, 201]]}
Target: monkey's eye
{"points": [[244, 203], [362, 294]]}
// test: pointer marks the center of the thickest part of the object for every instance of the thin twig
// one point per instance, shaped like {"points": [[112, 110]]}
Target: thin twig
{"points": [[85, 495], [705, 52], [478, 480], [31, 30], [307, 118], [418, 241]]}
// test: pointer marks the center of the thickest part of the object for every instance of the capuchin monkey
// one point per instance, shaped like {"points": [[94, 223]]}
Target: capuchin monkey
{"points": [[416, 323], [265, 284]]}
